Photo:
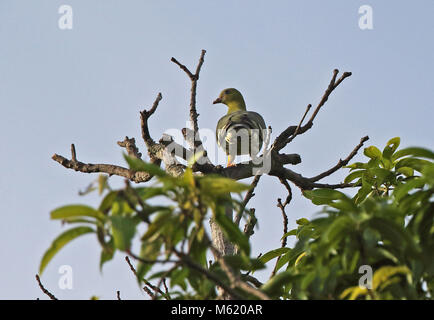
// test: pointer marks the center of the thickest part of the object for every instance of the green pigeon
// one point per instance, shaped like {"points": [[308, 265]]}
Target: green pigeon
{"points": [[240, 131]]}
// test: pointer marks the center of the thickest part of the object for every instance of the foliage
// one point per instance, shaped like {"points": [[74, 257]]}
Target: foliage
{"points": [[387, 225]]}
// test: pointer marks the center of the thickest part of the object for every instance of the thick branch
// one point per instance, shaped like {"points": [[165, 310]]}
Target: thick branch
{"points": [[110, 169]]}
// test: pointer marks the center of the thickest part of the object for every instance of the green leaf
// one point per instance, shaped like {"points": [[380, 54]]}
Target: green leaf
{"points": [[391, 231], [217, 185], [373, 152], [357, 165], [302, 221], [354, 175], [149, 251], [292, 232], [414, 151], [231, 230], [391, 147], [323, 196], [331, 197], [60, 242], [407, 171], [385, 272], [273, 254], [150, 192], [102, 183], [338, 229], [108, 200], [404, 188], [275, 285], [140, 165], [416, 164], [124, 229], [107, 253], [157, 224], [178, 277], [381, 175], [73, 211]]}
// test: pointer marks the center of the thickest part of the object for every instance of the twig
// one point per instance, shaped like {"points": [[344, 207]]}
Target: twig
{"points": [[130, 146], [166, 289], [147, 283], [193, 77], [341, 162], [299, 125], [144, 117], [281, 141], [211, 276], [285, 220], [288, 189], [247, 198], [149, 292], [48, 293]]}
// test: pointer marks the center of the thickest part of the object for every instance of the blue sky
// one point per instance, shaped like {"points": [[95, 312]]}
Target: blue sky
{"points": [[87, 85]]}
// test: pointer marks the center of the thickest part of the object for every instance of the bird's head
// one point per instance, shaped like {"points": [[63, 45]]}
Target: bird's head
{"points": [[232, 98]]}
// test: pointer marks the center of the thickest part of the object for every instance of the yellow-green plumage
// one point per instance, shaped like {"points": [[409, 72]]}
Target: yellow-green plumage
{"points": [[239, 131]]}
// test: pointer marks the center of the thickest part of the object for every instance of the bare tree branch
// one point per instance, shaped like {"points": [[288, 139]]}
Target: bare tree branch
{"points": [[48, 293], [285, 220], [211, 276], [194, 78], [247, 198], [341, 162], [299, 125], [281, 141], [144, 116], [235, 280], [130, 147], [110, 169], [147, 283]]}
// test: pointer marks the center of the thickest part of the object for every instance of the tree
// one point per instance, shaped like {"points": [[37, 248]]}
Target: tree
{"points": [[387, 226]]}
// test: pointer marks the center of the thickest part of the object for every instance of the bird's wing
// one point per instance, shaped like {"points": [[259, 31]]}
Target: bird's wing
{"points": [[229, 125]]}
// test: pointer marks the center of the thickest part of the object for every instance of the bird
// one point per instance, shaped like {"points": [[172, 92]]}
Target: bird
{"points": [[239, 132]]}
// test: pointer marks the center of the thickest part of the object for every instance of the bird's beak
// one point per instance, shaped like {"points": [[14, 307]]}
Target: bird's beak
{"points": [[218, 100]]}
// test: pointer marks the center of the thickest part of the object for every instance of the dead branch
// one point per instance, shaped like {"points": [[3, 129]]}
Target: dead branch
{"points": [[247, 198], [282, 140], [194, 78], [110, 169], [235, 280], [48, 293], [130, 147], [341, 162]]}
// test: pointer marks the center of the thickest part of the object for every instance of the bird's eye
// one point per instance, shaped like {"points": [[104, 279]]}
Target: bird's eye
{"points": [[227, 91]]}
